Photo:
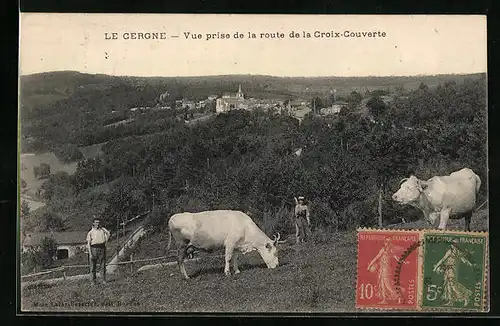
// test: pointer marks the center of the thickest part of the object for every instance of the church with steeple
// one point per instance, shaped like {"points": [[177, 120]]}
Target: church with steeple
{"points": [[230, 101]]}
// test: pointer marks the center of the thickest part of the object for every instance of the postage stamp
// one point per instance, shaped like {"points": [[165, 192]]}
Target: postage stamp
{"points": [[388, 269], [454, 271], [422, 270]]}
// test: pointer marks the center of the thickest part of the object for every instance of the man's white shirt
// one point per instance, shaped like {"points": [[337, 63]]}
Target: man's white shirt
{"points": [[98, 236]]}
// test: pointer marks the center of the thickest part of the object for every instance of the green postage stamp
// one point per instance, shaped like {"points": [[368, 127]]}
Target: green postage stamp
{"points": [[454, 271]]}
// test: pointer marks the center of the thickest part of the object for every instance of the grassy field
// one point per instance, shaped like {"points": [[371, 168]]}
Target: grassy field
{"points": [[29, 161], [314, 277], [479, 223]]}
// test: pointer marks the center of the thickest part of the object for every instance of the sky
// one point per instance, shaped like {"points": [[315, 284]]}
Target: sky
{"points": [[413, 44]]}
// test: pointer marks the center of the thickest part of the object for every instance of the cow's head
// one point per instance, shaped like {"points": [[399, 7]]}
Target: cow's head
{"points": [[409, 191], [269, 252]]}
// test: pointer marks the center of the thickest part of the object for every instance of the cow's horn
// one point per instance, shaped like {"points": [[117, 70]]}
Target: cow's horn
{"points": [[403, 180], [276, 238]]}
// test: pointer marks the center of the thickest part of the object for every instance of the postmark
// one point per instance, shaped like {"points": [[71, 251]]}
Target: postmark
{"points": [[454, 271], [388, 269]]}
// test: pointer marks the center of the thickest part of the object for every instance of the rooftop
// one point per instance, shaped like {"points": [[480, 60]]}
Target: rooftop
{"points": [[70, 237]]}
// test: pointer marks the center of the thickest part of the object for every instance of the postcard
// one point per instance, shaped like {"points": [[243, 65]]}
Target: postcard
{"points": [[237, 163]]}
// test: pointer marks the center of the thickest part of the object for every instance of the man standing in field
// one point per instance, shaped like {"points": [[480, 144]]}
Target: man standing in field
{"points": [[97, 238], [302, 221]]}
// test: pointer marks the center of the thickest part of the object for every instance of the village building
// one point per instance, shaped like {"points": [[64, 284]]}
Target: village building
{"points": [[387, 99], [229, 101], [334, 108], [157, 108], [191, 105], [68, 243]]}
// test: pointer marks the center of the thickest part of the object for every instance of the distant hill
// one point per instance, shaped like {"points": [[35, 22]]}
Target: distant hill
{"points": [[72, 107], [45, 89]]}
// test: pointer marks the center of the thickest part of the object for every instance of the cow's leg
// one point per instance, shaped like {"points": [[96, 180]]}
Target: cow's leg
{"points": [[467, 219], [236, 254], [181, 255], [229, 256], [444, 216], [190, 251], [432, 218]]}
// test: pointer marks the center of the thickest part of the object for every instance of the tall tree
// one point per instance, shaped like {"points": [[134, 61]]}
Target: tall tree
{"points": [[354, 99], [377, 107]]}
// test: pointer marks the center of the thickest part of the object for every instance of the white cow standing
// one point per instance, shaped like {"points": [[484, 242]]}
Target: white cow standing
{"points": [[210, 230], [452, 196]]}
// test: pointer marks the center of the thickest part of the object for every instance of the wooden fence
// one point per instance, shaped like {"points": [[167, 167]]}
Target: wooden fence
{"points": [[64, 268]]}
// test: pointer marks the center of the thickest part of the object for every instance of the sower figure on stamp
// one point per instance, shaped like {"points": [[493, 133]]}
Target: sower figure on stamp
{"points": [[302, 220], [453, 290], [386, 289], [97, 238]]}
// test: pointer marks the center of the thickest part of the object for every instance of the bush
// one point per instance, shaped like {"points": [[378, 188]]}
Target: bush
{"points": [[359, 213], [48, 251], [377, 107], [277, 220], [51, 221], [322, 216], [25, 209], [42, 171], [31, 261], [68, 153], [35, 259], [158, 220], [58, 185]]}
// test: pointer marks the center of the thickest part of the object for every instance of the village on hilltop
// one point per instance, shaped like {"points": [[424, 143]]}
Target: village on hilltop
{"points": [[297, 107]]}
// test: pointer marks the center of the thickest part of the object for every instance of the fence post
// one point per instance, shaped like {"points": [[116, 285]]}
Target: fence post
{"points": [[380, 223], [131, 263], [64, 273], [90, 260]]}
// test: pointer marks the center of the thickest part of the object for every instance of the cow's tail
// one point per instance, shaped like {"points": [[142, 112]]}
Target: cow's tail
{"points": [[478, 183], [169, 246], [169, 240]]}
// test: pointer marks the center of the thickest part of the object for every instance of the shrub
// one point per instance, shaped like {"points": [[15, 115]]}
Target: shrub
{"points": [[35, 259], [68, 153], [48, 251], [31, 261], [356, 214], [158, 220], [276, 220], [42, 171], [51, 221]]}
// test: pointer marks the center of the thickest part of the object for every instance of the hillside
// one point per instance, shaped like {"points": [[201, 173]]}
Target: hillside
{"points": [[311, 275], [319, 276], [76, 107], [245, 159]]}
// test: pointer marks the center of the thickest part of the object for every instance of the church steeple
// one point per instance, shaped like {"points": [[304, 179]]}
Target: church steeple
{"points": [[240, 92]]}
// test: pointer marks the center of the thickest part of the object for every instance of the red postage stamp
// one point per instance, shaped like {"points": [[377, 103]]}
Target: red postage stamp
{"points": [[388, 269]]}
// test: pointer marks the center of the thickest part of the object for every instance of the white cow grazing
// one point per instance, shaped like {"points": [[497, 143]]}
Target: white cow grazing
{"points": [[452, 196], [210, 230]]}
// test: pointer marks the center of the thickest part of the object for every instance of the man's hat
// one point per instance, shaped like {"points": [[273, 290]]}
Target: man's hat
{"points": [[301, 197]]}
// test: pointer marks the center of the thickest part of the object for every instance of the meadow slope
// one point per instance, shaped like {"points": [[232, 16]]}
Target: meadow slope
{"points": [[320, 278]]}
